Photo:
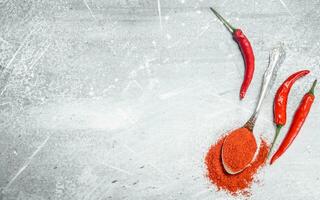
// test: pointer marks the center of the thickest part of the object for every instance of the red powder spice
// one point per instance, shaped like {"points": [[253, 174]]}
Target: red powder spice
{"points": [[238, 183], [238, 150]]}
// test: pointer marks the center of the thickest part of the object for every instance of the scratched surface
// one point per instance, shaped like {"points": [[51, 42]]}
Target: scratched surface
{"points": [[121, 99]]}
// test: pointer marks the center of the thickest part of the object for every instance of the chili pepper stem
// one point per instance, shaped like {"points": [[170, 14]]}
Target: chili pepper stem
{"points": [[311, 91], [225, 22], [278, 128]]}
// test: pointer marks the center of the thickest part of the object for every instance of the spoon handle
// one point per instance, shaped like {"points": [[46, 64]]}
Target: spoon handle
{"points": [[276, 58]]}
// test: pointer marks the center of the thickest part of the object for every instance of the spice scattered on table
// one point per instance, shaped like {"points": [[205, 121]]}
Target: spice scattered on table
{"points": [[246, 50], [297, 122], [280, 102], [234, 184]]}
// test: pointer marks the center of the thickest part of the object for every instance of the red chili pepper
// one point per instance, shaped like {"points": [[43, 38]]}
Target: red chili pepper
{"points": [[297, 122], [246, 50], [280, 102]]}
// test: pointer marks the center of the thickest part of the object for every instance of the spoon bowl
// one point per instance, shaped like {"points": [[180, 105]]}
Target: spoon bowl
{"points": [[234, 149]]}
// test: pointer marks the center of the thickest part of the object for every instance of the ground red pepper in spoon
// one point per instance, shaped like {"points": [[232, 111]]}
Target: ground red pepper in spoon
{"points": [[241, 139], [238, 183], [246, 50]]}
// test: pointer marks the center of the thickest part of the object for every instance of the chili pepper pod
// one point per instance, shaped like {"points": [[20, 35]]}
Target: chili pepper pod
{"points": [[280, 102], [246, 50], [297, 122]]}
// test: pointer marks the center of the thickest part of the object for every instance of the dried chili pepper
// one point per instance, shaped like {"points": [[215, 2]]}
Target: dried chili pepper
{"points": [[280, 102], [246, 50], [297, 122]]}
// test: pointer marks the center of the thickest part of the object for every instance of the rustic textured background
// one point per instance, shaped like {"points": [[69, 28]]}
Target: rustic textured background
{"points": [[121, 99]]}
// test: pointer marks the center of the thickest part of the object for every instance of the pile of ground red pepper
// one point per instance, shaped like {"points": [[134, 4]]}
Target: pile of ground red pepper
{"points": [[238, 183]]}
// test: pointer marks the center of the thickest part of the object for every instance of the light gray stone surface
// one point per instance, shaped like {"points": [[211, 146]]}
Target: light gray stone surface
{"points": [[122, 99]]}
